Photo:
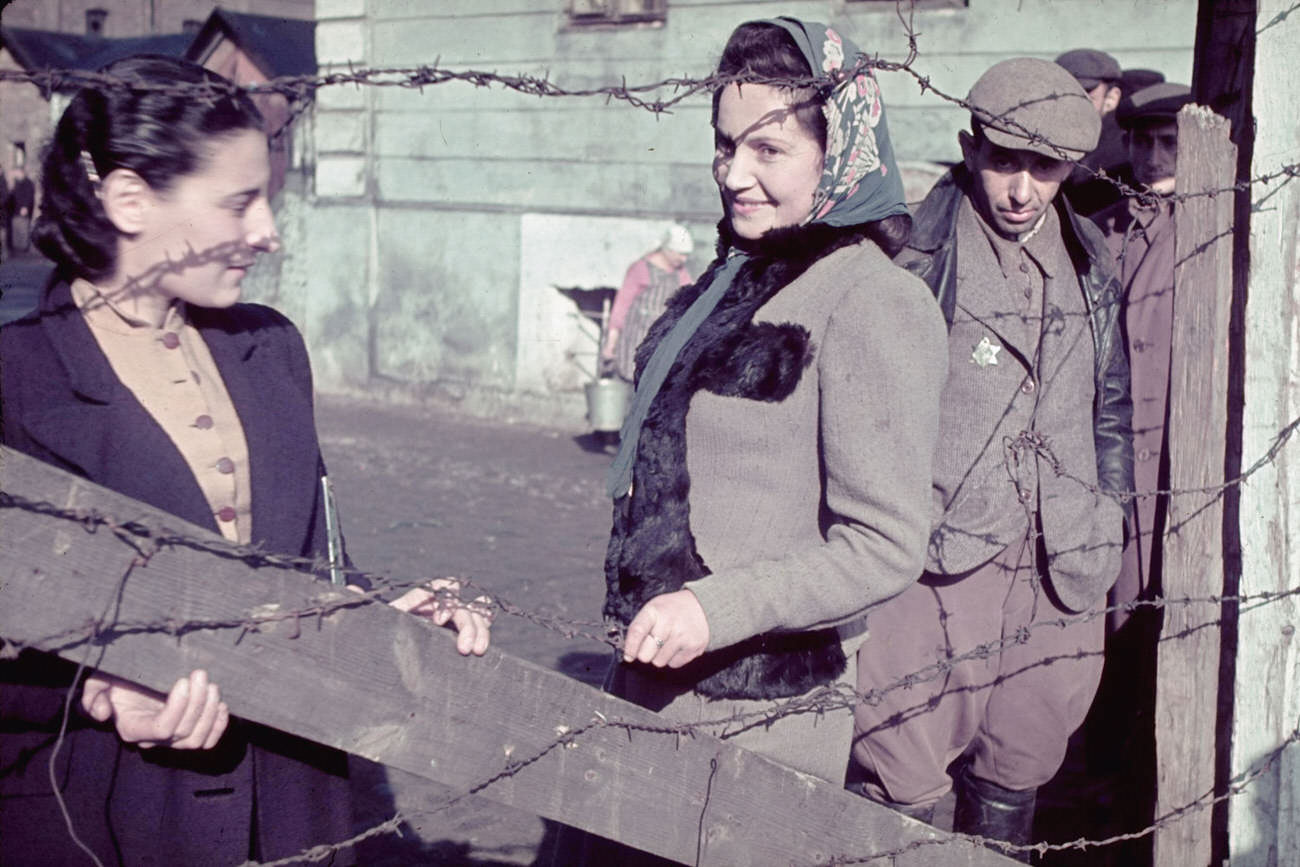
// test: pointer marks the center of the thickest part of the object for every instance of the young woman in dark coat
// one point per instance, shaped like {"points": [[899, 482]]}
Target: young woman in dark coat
{"points": [[141, 372]]}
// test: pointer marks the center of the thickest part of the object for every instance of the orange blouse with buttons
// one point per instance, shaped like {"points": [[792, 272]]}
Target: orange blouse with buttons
{"points": [[170, 371]]}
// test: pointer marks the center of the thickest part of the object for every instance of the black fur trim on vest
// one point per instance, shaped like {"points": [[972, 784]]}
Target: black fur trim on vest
{"points": [[651, 548]]}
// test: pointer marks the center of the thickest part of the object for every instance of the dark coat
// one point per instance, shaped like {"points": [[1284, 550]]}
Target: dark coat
{"points": [[931, 254], [63, 404]]}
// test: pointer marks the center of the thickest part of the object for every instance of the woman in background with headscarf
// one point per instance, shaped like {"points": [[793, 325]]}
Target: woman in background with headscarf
{"points": [[774, 475], [649, 283]]}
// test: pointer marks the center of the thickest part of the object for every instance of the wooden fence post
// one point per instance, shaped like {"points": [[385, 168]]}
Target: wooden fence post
{"points": [[1264, 820], [1187, 674], [389, 687]]}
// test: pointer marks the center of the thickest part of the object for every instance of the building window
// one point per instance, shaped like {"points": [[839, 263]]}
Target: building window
{"points": [[893, 5], [95, 19], [585, 12]]}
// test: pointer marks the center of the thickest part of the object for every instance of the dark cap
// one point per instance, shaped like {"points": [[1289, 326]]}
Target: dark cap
{"points": [[1157, 102], [1026, 97], [1090, 67], [1134, 80]]}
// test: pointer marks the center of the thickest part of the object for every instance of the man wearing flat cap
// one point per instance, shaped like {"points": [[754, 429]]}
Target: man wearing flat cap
{"points": [[1100, 76], [1033, 460], [1097, 73]]}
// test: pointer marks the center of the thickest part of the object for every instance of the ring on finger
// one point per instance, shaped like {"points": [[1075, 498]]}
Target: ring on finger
{"points": [[659, 642]]}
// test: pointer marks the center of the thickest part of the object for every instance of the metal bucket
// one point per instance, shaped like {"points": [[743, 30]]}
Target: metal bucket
{"points": [[607, 401]]}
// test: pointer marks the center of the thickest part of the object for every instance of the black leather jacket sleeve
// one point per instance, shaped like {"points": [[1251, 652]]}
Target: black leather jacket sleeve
{"points": [[1113, 405]]}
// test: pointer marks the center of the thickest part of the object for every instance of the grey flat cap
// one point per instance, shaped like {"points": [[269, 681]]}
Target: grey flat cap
{"points": [[1157, 102], [1090, 67], [1030, 104]]}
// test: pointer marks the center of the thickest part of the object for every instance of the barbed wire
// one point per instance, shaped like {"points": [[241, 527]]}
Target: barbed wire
{"points": [[144, 540], [818, 702], [659, 97], [1017, 450], [1236, 786], [301, 92]]}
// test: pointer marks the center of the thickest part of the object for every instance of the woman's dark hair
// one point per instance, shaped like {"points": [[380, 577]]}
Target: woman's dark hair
{"points": [[159, 134], [891, 233], [764, 52], [761, 51]]}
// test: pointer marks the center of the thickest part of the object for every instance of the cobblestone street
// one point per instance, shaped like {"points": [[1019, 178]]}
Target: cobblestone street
{"points": [[518, 509]]}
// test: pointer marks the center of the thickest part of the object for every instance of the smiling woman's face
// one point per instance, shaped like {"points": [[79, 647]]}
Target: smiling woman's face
{"points": [[766, 164], [207, 229]]}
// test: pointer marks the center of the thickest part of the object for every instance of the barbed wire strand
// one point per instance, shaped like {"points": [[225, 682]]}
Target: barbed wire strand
{"points": [[301, 92], [143, 540]]}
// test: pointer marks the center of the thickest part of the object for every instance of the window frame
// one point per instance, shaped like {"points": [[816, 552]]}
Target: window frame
{"points": [[96, 19], [617, 16], [893, 5]]}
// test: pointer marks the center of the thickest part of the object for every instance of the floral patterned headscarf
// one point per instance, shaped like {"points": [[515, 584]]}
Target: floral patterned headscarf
{"points": [[860, 180], [860, 184]]}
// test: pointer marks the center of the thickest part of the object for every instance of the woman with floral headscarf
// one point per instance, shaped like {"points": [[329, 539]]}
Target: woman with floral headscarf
{"points": [[774, 477]]}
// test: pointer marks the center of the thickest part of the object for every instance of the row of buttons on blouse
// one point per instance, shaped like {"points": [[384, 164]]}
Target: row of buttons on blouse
{"points": [[225, 466]]}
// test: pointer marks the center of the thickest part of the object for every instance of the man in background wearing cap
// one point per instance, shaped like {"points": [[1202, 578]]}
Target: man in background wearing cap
{"points": [[1033, 456], [1133, 80], [1101, 78], [1140, 234]]}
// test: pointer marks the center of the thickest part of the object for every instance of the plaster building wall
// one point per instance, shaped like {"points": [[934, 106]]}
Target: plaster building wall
{"points": [[434, 225]]}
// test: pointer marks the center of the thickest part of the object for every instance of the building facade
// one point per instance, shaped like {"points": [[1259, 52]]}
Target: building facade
{"points": [[27, 113], [116, 19], [427, 230], [432, 226]]}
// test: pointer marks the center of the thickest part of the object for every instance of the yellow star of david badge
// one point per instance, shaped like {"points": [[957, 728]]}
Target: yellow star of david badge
{"points": [[985, 352]]}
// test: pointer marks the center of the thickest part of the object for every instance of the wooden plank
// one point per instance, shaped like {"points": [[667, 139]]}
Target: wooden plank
{"points": [[1187, 674], [389, 687], [1223, 79], [1262, 827]]}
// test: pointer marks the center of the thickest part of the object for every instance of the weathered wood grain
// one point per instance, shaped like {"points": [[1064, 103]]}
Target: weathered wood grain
{"points": [[386, 686], [1263, 830], [1188, 659]]}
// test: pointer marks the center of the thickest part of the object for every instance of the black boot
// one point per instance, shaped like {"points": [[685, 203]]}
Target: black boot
{"points": [[987, 810], [921, 814], [857, 779]]}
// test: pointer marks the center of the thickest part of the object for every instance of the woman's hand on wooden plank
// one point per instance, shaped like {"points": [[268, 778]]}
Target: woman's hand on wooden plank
{"points": [[191, 716]]}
